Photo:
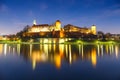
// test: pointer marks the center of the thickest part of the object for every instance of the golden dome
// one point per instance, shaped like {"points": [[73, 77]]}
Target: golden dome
{"points": [[58, 21]]}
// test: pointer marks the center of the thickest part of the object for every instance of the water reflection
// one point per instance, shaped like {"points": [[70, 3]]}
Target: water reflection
{"points": [[56, 53]]}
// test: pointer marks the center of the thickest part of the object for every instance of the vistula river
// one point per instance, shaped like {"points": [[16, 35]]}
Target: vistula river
{"points": [[59, 62]]}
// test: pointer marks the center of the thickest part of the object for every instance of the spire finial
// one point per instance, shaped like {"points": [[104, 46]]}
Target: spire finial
{"points": [[34, 22]]}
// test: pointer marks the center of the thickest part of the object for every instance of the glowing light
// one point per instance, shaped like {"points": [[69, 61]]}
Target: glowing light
{"points": [[34, 22], [70, 56], [49, 47], [98, 47], [58, 61], [110, 48], [54, 47], [37, 29], [13, 50], [61, 48], [61, 40], [18, 48], [49, 40], [46, 48], [107, 48], [30, 49], [45, 40], [102, 50], [93, 29], [33, 64], [66, 50], [116, 51], [61, 34], [35, 57], [94, 57], [58, 25], [79, 49], [5, 49], [82, 51], [1, 49]]}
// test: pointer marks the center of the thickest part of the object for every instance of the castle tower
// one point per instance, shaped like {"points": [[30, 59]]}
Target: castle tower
{"points": [[57, 25], [93, 29], [34, 22]]}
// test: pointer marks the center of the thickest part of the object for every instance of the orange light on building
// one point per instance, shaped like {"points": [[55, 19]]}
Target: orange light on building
{"points": [[61, 33]]}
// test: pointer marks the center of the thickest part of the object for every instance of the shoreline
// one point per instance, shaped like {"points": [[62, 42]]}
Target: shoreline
{"points": [[67, 42]]}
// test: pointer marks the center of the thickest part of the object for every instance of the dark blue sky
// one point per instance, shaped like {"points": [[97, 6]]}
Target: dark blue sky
{"points": [[15, 14]]}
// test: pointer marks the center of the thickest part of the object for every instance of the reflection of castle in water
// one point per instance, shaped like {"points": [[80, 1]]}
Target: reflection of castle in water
{"points": [[56, 53]]}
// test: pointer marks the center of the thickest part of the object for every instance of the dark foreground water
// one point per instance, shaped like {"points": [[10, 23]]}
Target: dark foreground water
{"points": [[59, 62]]}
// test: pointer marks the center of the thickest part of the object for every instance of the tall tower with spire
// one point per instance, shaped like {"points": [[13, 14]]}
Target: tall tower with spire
{"points": [[34, 22]]}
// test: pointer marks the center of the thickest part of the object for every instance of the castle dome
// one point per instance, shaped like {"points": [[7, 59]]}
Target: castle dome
{"points": [[58, 25], [58, 21]]}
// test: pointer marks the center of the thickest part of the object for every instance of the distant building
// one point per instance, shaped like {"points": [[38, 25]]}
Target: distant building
{"points": [[4, 37], [115, 36], [72, 28], [45, 30], [45, 27]]}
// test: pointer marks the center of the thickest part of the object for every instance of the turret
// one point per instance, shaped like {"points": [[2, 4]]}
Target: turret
{"points": [[93, 29], [58, 25]]}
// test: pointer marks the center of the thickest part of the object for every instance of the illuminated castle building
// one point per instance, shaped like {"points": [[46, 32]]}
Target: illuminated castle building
{"points": [[45, 27], [45, 30], [56, 31], [80, 32], [72, 28]]}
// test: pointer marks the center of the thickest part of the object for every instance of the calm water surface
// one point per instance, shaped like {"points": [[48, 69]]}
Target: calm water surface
{"points": [[59, 62]]}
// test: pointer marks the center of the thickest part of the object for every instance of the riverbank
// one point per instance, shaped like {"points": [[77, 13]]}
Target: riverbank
{"points": [[66, 42]]}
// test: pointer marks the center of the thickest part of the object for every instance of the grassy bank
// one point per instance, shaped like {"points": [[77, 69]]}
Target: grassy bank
{"points": [[92, 42], [67, 42]]}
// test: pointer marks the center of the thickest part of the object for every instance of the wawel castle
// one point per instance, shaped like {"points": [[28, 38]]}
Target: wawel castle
{"points": [[57, 31]]}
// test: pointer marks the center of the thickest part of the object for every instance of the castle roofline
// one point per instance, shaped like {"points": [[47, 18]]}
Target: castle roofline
{"points": [[58, 21], [41, 25]]}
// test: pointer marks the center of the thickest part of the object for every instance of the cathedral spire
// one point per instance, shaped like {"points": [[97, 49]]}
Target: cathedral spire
{"points": [[34, 22]]}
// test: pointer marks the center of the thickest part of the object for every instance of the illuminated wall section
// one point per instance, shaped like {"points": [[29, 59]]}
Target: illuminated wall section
{"points": [[39, 29]]}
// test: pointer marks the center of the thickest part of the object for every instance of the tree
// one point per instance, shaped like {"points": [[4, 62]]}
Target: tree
{"points": [[100, 35], [26, 28]]}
